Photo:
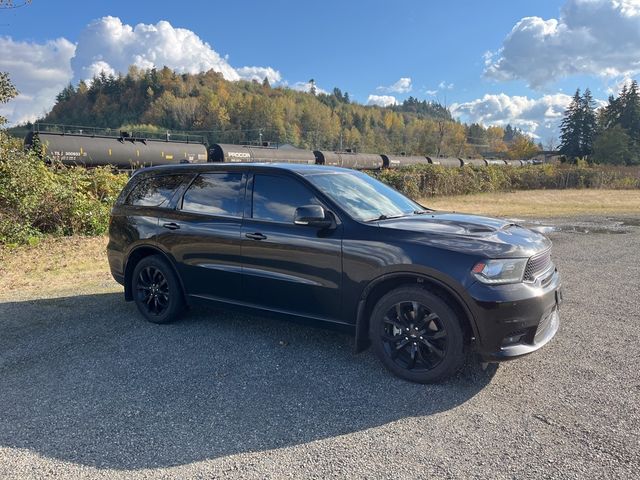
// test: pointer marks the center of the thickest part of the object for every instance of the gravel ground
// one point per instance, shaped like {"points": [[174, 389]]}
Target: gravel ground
{"points": [[87, 389]]}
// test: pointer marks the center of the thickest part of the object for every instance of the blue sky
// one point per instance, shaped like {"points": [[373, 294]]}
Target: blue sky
{"points": [[461, 52]]}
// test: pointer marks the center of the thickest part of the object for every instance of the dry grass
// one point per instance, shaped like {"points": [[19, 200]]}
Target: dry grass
{"points": [[56, 267], [542, 203]]}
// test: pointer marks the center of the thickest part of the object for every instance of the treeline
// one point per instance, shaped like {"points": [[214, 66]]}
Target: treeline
{"points": [[243, 111], [610, 134]]}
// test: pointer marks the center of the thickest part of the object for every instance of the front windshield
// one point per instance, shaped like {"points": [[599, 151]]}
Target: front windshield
{"points": [[364, 198]]}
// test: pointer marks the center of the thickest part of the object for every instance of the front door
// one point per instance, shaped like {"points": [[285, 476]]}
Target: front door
{"points": [[287, 267]]}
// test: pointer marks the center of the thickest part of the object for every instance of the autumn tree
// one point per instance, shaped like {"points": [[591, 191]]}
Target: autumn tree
{"points": [[7, 92], [522, 147]]}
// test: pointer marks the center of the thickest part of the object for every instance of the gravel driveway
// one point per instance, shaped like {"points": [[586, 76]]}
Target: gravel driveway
{"points": [[88, 389]]}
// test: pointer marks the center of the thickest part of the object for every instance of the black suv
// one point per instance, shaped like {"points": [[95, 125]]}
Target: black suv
{"points": [[337, 246]]}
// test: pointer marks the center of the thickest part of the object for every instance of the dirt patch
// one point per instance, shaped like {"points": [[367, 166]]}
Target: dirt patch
{"points": [[55, 267]]}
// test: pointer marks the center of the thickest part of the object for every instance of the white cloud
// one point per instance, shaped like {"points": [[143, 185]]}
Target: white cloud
{"points": [[382, 100], [108, 44], [538, 117], [445, 86], [259, 74], [591, 37], [401, 86], [39, 71], [305, 87]]}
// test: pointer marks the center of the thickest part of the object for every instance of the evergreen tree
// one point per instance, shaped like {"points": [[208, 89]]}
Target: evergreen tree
{"points": [[66, 93], [613, 146], [589, 123], [509, 133], [630, 112], [571, 128]]}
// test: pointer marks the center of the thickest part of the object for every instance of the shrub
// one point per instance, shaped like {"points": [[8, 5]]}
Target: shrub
{"points": [[37, 199], [431, 180]]}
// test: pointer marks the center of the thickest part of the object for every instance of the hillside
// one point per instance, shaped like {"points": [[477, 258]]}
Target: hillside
{"points": [[245, 111]]}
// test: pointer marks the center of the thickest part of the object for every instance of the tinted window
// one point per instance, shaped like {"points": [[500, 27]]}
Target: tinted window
{"points": [[215, 194], [155, 191], [276, 198]]}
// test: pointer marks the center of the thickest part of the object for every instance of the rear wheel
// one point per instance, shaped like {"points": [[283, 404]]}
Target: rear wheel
{"points": [[156, 290], [416, 335]]}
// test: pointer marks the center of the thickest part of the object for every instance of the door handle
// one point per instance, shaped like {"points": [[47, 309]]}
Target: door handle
{"points": [[255, 236], [171, 226]]}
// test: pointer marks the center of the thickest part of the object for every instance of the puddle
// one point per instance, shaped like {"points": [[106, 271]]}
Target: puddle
{"points": [[626, 222], [587, 229], [613, 226]]}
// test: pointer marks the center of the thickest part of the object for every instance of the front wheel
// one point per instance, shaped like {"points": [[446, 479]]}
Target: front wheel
{"points": [[156, 290], [416, 335]]}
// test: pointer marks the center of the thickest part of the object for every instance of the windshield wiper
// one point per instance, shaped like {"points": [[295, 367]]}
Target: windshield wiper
{"points": [[386, 217]]}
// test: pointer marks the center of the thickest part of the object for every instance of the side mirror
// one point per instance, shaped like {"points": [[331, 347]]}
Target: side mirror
{"points": [[312, 216]]}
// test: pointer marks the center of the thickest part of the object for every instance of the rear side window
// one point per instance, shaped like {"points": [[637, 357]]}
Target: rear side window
{"points": [[215, 194], [276, 198], [155, 191]]}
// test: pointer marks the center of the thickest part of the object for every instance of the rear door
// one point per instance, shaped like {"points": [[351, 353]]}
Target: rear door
{"points": [[287, 267], [203, 235]]}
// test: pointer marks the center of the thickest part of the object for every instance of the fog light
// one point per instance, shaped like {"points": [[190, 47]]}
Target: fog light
{"points": [[513, 338]]}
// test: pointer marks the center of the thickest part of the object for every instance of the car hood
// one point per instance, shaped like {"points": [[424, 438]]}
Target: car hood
{"points": [[490, 237]]}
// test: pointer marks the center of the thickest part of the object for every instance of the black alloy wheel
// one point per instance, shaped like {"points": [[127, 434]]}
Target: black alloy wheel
{"points": [[152, 290], [156, 290], [416, 335]]}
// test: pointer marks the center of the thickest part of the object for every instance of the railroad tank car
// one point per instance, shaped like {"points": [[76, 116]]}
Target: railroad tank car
{"points": [[449, 162], [514, 163], [121, 152], [494, 161], [222, 152], [359, 161], [396, 161], [476, 162]]}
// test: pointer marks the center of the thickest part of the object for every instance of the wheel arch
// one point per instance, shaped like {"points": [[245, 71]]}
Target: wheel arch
{"points": [[381, 285], [135, 256]]}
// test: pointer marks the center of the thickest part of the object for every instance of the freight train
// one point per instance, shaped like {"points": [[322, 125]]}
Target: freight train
{"points": [[128, 150]]}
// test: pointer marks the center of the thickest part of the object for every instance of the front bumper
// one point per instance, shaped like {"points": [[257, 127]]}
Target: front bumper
{"points": [[515, 320]]}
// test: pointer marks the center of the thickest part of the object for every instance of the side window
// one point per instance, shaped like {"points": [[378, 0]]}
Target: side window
{"points": [[155, 191], [215, 194], [276, 198]]}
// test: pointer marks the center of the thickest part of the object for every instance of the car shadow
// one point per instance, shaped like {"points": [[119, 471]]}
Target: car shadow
{"points": [[84, 379]]}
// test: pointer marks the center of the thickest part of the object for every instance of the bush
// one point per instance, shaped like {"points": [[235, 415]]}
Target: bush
{"points": [[423, 181], [36, 199]]}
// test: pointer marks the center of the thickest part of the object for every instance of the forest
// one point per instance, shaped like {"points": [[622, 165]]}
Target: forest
{"points": [[244, 111]]}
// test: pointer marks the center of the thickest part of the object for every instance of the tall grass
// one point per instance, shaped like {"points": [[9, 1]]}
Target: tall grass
{"points": [[434, 180]]}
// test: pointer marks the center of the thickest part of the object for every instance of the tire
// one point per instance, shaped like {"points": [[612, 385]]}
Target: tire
{"points": [[422, 347], [156, 290]]}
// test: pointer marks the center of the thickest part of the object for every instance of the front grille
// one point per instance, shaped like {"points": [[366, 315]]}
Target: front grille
{"points": [[536, 265]]}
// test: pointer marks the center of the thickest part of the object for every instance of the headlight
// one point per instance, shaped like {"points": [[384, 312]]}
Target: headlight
{"points": [[507, 270]]}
